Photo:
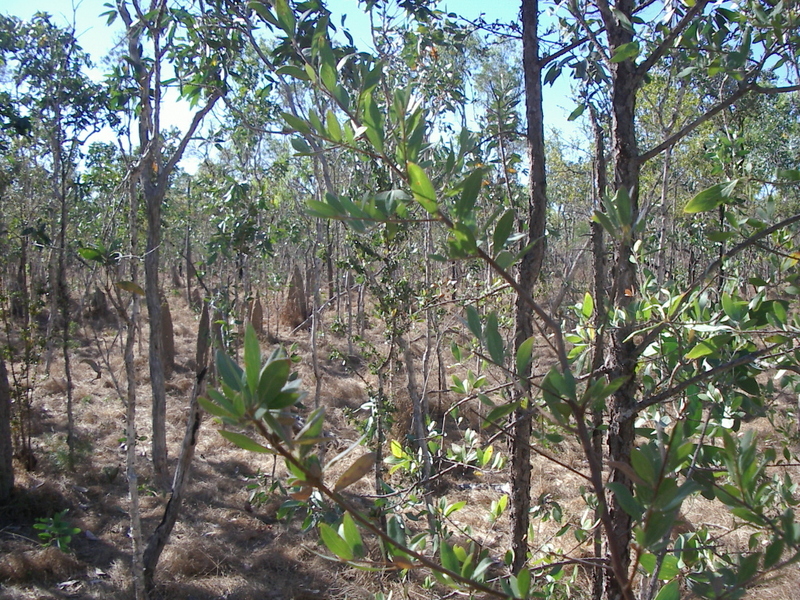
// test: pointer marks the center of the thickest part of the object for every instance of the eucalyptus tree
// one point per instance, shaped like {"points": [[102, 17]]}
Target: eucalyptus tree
{"points": [[65, 108], [671, 370], [183, 48]]}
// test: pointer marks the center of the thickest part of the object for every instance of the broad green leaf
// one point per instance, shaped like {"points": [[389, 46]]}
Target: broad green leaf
{"points": [[498, 413], [293, 71], [710, 198], [579, 110], [502, 230], [524, 355], [494, 341], [352, 536], [333, 127], [271, 380], [773, 553], [335, 543], [91, 254], [264, 12], [703, 348], [588, 305], [296, 123], [286, 18], [626, 500], [244, 442], [322, 210], [301, 145], [602, 218], [229, 371], [524, 583], [474, 322], [624, 206], [469, 195], [671, 591], [422, 188], [449, 559], [643, 467], [789, 174], [252, 358], [625, 51], [214, 409]]}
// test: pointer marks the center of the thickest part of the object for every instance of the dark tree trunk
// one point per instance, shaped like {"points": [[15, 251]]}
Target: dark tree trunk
{"points": [[529, 269], [6, 447], [620, 355]]}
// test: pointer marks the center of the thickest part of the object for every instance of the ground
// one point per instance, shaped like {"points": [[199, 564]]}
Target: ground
{"points": [[228, 544]]}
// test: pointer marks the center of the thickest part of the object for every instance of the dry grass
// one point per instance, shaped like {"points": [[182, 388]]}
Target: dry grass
{"points": [[224, 546]]}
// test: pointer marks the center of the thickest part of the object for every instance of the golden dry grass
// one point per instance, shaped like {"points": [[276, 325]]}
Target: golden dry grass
{"points": [[225, 546]]}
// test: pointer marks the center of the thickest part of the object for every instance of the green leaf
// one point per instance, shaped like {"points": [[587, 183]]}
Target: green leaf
{"points": [[579, 110], [502, 230], [301, 145], [229, 371], [264, 12], [214, 409], [588, 305], [671, 591], [469, 195], [286, 18], [296, 123], [625, 52], [252, 358], [271, 381], [626, 500], [244, 442], [422, 188], [293, 71], [322, 210], [602, 218], [333, 127], [335, 543], [352, 536], [710, 198], [91, 254], [449, 559], [789, 174], [524, 355], [474, 322], [498, 413], [524, 583], [494, 341]]}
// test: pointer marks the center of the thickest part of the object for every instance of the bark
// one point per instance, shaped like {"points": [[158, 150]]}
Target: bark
{"points": [[6, 447], [600, 294], [529, 269], [620, 355], [160, 536]]}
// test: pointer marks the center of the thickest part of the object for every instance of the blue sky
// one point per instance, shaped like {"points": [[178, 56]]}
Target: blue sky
{"points": [[96, 38]]}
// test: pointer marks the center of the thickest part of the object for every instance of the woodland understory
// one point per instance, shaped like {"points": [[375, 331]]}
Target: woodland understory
{"points": [[365, 329]]}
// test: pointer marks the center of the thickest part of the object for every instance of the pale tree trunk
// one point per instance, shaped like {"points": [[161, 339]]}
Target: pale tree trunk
{"points": [[153, 171], [529, 269], [131, 319], [158, 540]]}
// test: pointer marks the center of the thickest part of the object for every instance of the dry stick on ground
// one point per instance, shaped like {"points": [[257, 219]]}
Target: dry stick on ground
{"points": [[160, 536]]}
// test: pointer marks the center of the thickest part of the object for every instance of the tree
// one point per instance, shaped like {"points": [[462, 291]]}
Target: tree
{"points": [[201, 76]]}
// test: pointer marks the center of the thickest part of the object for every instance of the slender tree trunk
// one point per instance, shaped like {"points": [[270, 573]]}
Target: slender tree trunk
{"points": [[600, 294], [620, 356], [6, 447], [529, 269], [158, 540]]}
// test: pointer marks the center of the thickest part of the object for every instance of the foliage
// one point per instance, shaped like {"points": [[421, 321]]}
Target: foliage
{"points": [[56, 531]]}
